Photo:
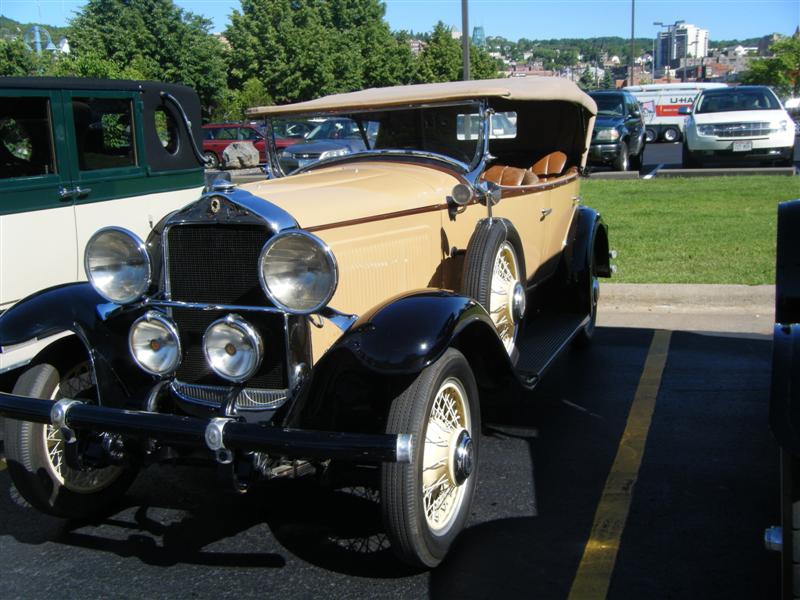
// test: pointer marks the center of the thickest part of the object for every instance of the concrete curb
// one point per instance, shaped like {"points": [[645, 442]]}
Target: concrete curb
{"points": [[687, 298]]}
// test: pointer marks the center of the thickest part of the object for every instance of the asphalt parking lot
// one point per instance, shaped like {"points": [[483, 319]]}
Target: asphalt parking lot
{"points": [[706, 487]]}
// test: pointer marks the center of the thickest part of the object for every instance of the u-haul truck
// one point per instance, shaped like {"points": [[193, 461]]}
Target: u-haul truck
{"points": [[660, 104]]}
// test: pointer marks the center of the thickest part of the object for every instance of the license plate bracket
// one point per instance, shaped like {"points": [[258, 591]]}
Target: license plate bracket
{"points": [[742, 146]]}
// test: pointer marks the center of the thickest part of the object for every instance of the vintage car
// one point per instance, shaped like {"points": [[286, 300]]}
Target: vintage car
{"points": [[349, 318], [77, 154], [784, 408]]}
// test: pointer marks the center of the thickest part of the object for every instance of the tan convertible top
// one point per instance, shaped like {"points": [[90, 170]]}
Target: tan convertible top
{"points": [[514, 88]]}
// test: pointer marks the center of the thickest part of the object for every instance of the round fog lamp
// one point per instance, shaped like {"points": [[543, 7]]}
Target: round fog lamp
{"points": [[233, 348], [154, 343]]}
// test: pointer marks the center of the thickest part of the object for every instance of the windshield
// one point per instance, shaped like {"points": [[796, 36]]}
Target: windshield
{"points": [[732, 99], [609, 105], [432, 129]]}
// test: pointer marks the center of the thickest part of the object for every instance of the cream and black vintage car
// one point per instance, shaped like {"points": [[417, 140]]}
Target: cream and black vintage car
{"points": [[353, 314]]}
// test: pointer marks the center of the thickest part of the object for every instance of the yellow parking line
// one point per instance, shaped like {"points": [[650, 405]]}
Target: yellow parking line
{"points": [[597, 564]]}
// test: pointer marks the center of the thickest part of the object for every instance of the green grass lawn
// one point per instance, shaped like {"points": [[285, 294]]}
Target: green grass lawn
{"points": [[693, 230]]}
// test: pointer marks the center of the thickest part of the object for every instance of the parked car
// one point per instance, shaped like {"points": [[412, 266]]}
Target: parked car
{"points": [[78, 154], [331, 138], [736, 125], [345, 321], [218, 136], [784, 407], [661, 104], [619, 138]]}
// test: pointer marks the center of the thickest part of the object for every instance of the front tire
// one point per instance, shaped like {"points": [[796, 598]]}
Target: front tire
{"points": [[588, 297], [621, 161], [35, 452], [426, 502]]}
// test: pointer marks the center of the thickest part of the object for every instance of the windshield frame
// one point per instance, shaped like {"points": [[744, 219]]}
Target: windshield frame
{"points": [[274, 170]]}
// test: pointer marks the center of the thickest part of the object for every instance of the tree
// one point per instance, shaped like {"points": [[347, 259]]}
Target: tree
{"points": [[482, 66], [153, 39], [234, 103], [16, 60], [782, 71], [302, 49], [586, 80], [441, 58]]}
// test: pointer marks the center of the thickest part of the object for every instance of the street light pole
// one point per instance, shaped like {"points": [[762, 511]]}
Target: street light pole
{"points": [[465, 38], [631, 61]]}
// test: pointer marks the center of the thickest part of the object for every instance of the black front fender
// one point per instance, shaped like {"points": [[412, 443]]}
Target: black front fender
{"points": [[408, 333], [77, 308]]}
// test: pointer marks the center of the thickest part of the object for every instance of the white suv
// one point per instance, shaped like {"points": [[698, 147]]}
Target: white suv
{"points": [[744, 123]]}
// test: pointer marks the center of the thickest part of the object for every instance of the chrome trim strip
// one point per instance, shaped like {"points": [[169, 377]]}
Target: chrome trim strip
{"points": [[210, 306], [461, 166]]}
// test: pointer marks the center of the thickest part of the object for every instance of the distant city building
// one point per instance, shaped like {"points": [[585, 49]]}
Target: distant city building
{"points": [[478, 36], [455, 33], [679, 41], [765, 42], [417, 46]]}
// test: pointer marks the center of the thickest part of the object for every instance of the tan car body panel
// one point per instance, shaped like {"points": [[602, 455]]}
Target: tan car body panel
{"points": [[389, 228]]}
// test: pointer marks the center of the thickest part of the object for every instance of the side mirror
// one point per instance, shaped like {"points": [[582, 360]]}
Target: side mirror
{"points": [[684, 110]]}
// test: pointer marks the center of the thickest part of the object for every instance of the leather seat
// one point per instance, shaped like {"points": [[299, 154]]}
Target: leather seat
{"points": [[509, 176], [550, 165]]}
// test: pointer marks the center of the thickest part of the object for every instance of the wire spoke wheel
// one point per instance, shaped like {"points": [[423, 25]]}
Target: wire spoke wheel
{"points": [[442, 495], [494, 275], [505, 276], [75, 382], [426, 502]]}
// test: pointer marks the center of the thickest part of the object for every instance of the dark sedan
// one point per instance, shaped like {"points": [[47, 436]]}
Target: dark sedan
{"points": [[618, 139], [332, 137]]}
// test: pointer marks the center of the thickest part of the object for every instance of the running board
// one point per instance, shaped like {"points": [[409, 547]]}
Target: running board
{"points": [[543, 339]]}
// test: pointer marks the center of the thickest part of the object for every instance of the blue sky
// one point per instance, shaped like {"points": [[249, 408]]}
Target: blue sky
{"points": [[513, 19]]}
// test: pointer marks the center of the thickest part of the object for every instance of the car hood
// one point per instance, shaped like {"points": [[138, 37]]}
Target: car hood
{"points": [[321, 146], [741, 116], [607, 122], [342, 194]]}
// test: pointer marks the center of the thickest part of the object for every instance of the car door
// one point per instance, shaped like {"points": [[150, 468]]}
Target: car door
{"points": [[634, 124], [37, 219]]}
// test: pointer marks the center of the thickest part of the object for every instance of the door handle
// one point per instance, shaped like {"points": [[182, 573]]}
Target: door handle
{"points": [[66, 193], [82, 192], [546, 211]]}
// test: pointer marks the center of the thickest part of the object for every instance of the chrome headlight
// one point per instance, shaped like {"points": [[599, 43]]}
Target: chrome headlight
{"points": [[154, 343], [298, 272], [607, 135], [333, 153], [233, 348], [117, 265]]}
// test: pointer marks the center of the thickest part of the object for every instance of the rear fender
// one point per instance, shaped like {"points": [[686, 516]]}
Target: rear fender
{"points": [[590, 239], [77, 308]]}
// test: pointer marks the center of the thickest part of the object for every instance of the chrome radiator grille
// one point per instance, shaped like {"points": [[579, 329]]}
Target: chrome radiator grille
{"points": [[218, 264], [738, 130]]}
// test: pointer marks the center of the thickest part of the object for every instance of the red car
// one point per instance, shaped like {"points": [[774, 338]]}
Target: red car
{"points": [[217, 137]]}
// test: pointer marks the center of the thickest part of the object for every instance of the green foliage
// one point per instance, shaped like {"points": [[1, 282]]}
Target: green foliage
{"points": [[150, 39], [11, 29], [586, 80], [234, 103], [303, 49], [441, 58], [782, 71], [692, 230], [16, 60]]}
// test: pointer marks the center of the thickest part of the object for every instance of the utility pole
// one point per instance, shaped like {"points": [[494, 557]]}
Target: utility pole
{"points": [[465, 38], [630, 60]]}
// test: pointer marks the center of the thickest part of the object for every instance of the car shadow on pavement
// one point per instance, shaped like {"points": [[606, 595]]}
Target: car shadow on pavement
{"points": [[709, 466]]}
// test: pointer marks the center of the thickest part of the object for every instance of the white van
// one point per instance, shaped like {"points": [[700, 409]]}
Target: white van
{"points": [[661, 103]]}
